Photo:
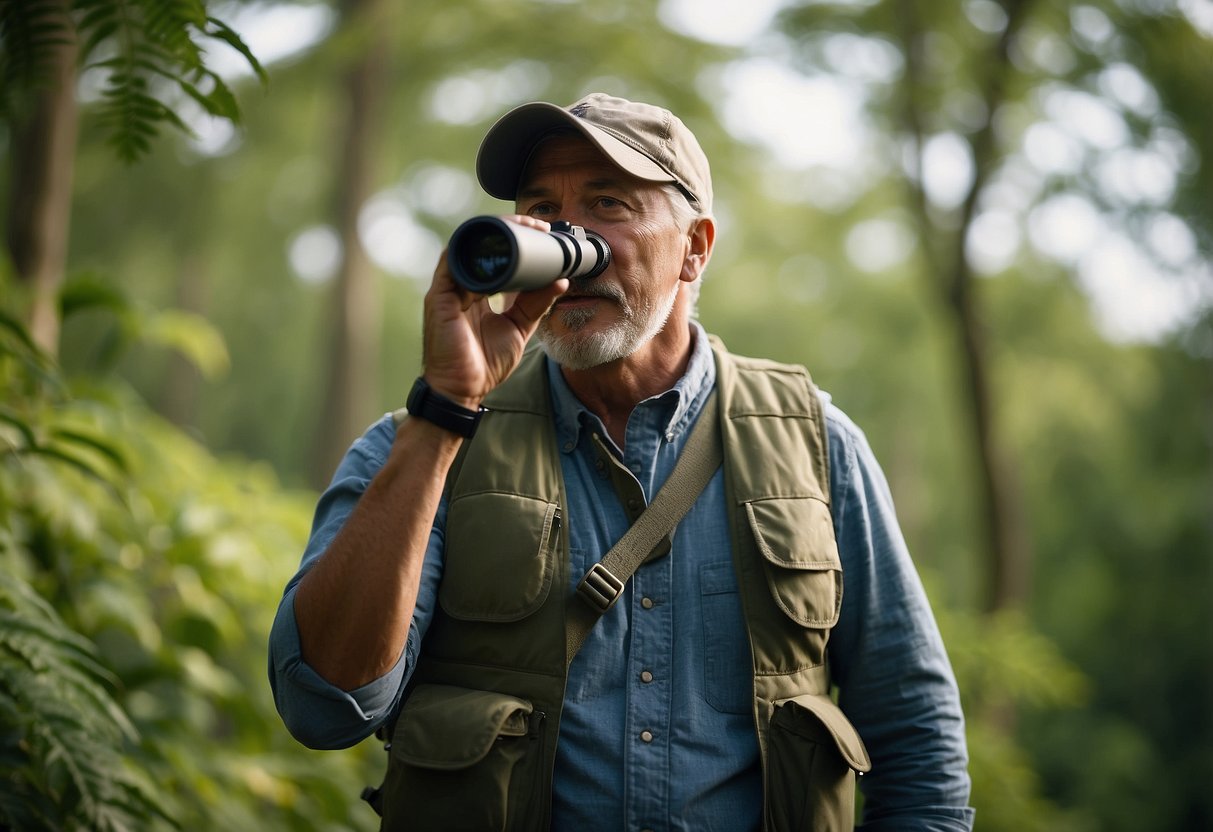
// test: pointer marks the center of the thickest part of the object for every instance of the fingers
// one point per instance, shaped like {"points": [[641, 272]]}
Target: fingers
{"points": [[528, 308], [531, 222]]}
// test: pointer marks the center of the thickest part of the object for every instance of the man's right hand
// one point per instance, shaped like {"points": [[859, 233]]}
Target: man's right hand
{"points": [[468, 348]]}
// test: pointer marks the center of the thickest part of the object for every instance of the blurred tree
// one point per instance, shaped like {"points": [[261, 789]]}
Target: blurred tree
{"points": [[43, 45], [38, 64], [356, 320], [948, 267], [1075, 123], [968, 82]]}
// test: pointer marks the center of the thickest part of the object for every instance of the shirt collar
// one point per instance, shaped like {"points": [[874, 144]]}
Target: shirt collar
{"points": [[684, 400]]}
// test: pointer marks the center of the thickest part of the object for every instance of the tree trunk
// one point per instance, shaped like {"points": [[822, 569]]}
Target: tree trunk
{"points": [[40, 194], [354, 334], [1008, 577]]}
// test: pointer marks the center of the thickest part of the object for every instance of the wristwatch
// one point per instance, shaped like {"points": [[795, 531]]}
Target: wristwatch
{"points": [[426, 403]]}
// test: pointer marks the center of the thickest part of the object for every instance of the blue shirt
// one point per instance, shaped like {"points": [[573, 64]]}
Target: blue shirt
{"points": [[657, 731]]}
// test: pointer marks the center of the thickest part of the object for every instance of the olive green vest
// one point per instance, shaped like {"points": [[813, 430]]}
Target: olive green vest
{"points": [[475, 743]]}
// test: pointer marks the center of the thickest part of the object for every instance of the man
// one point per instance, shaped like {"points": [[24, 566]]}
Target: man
{"points": [[436, 602]]}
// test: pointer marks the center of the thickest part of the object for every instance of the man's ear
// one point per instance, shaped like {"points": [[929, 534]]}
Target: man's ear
{"points": [[702, 238]]}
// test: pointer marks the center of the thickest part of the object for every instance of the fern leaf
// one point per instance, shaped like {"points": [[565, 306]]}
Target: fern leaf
{"points": [[30, 31], [63, 733], [225, 33]]}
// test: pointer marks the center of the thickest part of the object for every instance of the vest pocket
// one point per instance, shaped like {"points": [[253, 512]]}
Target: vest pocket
{"points": [[804, 573], [463, 759], [499, 558], [813, 753]]}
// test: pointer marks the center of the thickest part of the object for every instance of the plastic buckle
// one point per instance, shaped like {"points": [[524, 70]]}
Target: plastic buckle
{"points": [[599, 588]]}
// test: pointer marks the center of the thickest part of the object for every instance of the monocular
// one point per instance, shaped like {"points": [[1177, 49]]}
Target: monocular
{"points": [[489, 254]]}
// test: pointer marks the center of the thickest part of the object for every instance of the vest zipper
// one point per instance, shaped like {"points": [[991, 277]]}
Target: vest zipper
{"points": [[554, 532]]}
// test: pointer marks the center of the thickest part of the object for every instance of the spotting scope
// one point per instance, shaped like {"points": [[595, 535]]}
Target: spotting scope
{"points": [[489, 254]]}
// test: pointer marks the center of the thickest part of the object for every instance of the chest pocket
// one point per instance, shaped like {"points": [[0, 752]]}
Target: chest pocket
{"points": [[500, 556], [795, 537]]}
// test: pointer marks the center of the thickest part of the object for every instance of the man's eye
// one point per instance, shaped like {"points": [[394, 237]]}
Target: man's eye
{"points": [[540, 210], [609, 202]]}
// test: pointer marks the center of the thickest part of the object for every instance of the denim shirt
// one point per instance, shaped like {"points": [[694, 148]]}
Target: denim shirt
{"points": [[657, 731]]}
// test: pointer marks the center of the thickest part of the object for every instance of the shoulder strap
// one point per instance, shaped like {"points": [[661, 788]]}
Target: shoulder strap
{"points": [[604, 582]]}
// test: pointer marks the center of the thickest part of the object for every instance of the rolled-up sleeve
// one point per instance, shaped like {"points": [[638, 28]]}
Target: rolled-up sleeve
{"points": [[317, 713], [895, 681]]}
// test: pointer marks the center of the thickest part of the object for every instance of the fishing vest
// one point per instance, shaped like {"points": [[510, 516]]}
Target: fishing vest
{"points": [[474, 744]]}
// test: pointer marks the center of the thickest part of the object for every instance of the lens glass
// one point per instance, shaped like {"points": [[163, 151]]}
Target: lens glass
{"points": [[485, 255]]}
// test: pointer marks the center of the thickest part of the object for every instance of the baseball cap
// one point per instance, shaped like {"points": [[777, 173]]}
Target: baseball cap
{"points": [[651, 143]]}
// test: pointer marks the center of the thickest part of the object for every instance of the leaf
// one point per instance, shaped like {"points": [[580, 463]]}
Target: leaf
{"points": [[91, 292], [223, 101], [225, 33], [82, 465], [30, 32], [191, 335], [23, 427], [107, 449], [18, 329]]}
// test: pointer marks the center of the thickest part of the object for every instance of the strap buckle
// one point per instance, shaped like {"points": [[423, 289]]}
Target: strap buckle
{"points": [[599, 588]]}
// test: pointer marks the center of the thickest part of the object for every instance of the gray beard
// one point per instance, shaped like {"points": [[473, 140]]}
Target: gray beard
{"points": [[581, 351]]}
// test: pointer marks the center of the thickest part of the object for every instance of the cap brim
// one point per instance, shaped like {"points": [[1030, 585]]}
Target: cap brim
{"points": [[510, 142]]}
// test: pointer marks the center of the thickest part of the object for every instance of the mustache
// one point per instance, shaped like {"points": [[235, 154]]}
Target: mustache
{"points": [[592, 287]]}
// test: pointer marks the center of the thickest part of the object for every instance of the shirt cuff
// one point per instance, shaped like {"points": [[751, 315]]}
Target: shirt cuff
{"points": [[316, 712]]}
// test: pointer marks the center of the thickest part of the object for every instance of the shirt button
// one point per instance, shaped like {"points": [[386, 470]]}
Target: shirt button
{"points": [[647, 603], [646, 736], [646, 676], [568, 446]]}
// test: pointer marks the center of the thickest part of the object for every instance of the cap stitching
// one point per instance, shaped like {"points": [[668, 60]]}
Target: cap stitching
{"points": [[632, 144]]}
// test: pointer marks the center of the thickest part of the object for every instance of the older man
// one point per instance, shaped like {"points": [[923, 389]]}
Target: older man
{"points": [[465, 600]]}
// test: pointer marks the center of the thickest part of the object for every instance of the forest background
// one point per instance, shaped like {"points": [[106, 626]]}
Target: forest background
{"points": [[985, 227]]}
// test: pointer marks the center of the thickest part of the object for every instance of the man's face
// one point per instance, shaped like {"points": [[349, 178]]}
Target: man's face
{"points": [[608, 317]]}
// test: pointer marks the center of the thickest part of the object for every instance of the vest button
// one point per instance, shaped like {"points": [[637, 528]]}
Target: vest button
{"points": [[647, 603], [646, 736], [646, 676]]}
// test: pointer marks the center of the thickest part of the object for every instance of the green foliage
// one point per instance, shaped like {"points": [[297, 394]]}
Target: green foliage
{"points": [[140, 579], [29, 32], [150, 52], [63, 733], [130, 325]]}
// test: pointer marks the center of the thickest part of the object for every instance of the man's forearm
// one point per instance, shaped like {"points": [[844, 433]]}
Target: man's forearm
{"points": [[353, 608]]}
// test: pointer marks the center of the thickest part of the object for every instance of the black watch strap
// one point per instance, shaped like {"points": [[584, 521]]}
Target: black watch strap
{"points": [[424, 403]]}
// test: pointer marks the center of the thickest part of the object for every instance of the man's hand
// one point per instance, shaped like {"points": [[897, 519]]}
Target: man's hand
{"points": [[468, 348]]}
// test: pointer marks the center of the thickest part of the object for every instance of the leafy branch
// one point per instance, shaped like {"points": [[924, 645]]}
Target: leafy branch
{"points": [[60, 747], [146, 48]]}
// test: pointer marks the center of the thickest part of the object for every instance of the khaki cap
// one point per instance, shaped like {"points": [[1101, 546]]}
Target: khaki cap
{"points": [[648, 142]]}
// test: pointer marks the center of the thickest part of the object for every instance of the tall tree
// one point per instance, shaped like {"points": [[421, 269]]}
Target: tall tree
{"points": [[44, 44], [43, 126], [356, 314], [953, 281]]}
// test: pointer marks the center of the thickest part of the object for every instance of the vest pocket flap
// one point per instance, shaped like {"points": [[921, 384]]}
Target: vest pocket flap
{"points": [[499, 556], [796, 539], [815, 716], [445, 727]]}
